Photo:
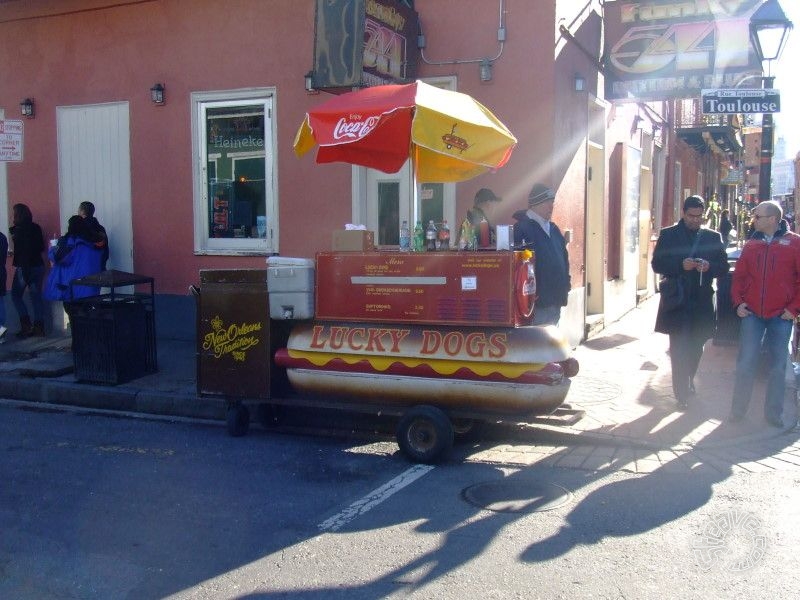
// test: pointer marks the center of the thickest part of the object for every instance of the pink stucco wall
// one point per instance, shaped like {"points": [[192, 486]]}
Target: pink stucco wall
{"points": [[118, 53]]}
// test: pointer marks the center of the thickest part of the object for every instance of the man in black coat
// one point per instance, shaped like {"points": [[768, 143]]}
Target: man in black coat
{"points": [[535, 231], [97, 232], [695, 256]]}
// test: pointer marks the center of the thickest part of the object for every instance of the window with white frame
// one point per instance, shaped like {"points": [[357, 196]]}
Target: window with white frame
{"points": [[235, 208]]}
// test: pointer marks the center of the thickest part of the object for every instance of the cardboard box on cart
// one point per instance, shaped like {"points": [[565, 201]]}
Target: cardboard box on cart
{"points": [[353, 240]]}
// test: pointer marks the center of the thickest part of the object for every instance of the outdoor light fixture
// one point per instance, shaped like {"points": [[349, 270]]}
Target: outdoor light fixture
{"points": [[310, 89], [486, 70], [27, 108], [769, 29], [157, 94], [580, 83]]}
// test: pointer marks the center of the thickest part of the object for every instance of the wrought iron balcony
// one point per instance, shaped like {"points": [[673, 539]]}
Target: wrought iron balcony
{"points": [[707, 133]]}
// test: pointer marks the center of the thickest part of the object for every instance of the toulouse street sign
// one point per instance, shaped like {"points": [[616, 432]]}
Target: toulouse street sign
{"points": [[746, 101]]}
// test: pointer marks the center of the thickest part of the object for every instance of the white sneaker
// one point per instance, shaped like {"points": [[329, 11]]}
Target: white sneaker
{"points": [[3, 330]]}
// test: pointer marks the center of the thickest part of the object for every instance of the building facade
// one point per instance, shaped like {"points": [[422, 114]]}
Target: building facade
{"points": [[205, 177]]}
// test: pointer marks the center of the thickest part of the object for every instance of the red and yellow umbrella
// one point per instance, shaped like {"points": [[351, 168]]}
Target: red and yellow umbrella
{"points": [[449, 136]]}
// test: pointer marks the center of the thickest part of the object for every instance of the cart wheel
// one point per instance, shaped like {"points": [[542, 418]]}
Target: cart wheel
{"points": [[270, 415], [238, 418], [467, 430], [425, 434]]}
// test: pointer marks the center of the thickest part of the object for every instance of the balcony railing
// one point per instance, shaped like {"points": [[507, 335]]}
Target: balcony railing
{"points": [[691, 124], [688, 113]]}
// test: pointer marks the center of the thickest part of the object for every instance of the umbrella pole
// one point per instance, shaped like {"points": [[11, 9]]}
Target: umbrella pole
{"points": [[415, 212]]}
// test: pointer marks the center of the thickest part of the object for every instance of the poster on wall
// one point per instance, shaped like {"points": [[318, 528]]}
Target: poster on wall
{"points": [[11, 140], [661, 49], [361, 43]]}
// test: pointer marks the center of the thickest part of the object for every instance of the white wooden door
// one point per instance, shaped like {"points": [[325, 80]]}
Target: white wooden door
{"points": [[94, 164]]}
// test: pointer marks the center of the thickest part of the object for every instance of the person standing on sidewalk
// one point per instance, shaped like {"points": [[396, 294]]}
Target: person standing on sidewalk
{"points": [[28, 270], [766, 293], [3, 277], [694, 256], [535, 231], [98, 232]]}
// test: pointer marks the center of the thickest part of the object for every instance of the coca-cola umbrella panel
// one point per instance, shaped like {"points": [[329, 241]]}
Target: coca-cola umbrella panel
{"points": [[449, 136]]}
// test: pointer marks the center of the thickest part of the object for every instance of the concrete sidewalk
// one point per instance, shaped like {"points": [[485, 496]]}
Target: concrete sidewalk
{"points": [[624, 387]]}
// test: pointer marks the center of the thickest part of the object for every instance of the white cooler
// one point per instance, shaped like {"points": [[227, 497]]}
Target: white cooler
{"points": [[290, 284]]}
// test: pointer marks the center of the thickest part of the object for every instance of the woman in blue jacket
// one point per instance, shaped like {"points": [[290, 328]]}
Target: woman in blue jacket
{"points": [[75, 255]]}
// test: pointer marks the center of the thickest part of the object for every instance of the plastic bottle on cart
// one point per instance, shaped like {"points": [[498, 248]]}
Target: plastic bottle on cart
{"points": [[430, 236], [484, 233], [419, 238], [444, 236], [405, 237], [465, 235]]}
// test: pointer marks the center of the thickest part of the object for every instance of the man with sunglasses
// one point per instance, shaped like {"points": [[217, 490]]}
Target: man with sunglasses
{"points": [[694, 256], [766, 294]]}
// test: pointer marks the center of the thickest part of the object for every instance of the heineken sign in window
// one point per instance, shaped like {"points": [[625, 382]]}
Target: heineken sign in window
{"points": [[745, 101]]}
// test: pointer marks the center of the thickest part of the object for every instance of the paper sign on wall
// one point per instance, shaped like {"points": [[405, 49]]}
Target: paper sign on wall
{"points": [[11, 140]]}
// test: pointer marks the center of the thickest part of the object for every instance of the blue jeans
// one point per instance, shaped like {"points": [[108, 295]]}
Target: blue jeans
{"points": [[34, 285], [775, 334], [546, 315]]}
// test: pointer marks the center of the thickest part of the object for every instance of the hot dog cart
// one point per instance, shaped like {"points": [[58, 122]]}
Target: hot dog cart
{"points": [[434, 338]]}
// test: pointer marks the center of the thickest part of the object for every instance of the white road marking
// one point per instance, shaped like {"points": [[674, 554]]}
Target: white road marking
{"points": [[374, 498]]}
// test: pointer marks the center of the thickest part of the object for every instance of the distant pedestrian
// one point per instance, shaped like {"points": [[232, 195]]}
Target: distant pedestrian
{"points": [[725, 227], [534, 230], [691, 258], [3, 278], [766, 293], [97, 231], [28, 270]]}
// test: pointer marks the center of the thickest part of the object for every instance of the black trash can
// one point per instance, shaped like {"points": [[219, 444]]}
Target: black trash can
{"points": [[113, 334]]}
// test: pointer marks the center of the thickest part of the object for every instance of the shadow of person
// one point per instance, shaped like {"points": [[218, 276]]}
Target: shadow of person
{"points": [[630, 507]]}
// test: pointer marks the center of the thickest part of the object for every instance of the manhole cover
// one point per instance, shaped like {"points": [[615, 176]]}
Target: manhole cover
{"points": [[591, 390], [516, 496]]}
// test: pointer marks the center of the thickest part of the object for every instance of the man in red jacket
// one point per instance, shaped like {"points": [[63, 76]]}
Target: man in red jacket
{"points": [[766, 293]]}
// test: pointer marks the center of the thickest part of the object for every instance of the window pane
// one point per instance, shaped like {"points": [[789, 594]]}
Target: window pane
{"points": [[388, 213], [236, 171], [432, 202]]}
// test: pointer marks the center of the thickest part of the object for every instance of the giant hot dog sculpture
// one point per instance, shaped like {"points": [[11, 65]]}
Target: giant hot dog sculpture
{"points": [[521, 370]]}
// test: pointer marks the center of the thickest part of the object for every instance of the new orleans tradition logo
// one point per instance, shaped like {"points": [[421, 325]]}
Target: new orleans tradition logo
{"points": [[234, 339]]}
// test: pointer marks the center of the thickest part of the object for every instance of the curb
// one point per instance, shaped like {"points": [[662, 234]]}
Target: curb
{"points": [[119, 399]]}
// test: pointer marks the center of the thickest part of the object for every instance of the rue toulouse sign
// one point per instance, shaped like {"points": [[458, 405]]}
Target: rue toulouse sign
{"points": [[745, 101]]}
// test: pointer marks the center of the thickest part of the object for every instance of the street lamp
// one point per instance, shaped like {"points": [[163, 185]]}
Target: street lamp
{"points": [[769, 29]]}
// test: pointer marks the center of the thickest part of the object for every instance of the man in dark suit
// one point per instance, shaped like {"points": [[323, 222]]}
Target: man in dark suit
{"points": [[695, 256]]}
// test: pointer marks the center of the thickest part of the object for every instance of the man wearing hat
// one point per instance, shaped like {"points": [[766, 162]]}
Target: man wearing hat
{"points": [[484, 202], [535, 231]]}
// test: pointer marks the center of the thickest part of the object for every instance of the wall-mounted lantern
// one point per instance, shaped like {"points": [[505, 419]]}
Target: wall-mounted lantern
{"points": [[27, 108], [157, 94]]}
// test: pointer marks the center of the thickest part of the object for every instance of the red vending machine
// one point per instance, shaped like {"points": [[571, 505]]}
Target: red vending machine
{"points": [[442, 288]]}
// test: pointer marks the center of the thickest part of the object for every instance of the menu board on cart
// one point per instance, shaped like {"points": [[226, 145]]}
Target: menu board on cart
{"points": [[446, 288]]}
